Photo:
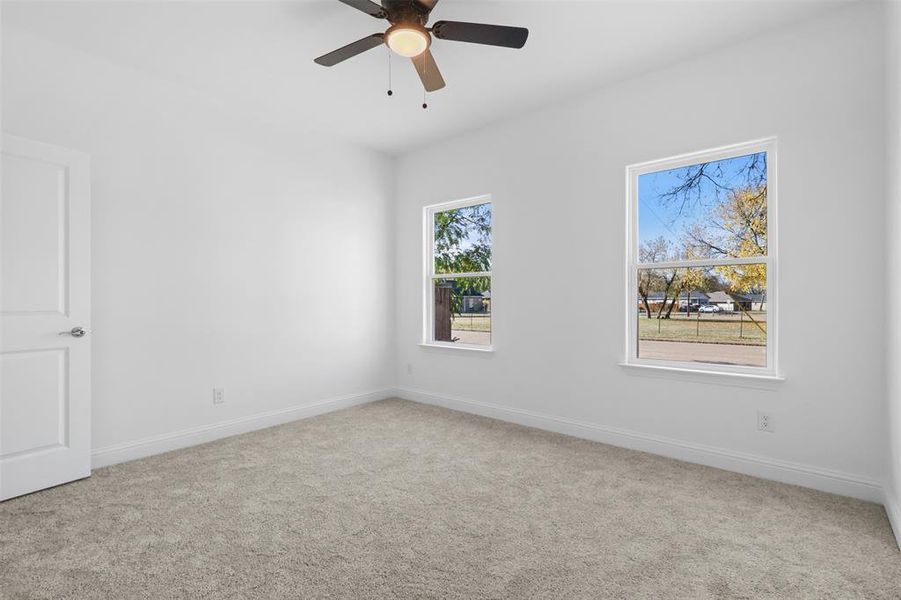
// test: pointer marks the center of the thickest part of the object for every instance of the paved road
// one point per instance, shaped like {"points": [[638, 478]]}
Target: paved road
{"points": [[476, 338], [732, 354]]}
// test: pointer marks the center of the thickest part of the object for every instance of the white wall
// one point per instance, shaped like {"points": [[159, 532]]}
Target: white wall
{"points": [[223, 256], [557, 178], [893, 262]]}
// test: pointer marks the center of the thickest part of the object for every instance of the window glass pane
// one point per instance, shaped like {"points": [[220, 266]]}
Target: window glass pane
{"points": [[714, 315], [462, 311], [716, 209], [463, 240]]}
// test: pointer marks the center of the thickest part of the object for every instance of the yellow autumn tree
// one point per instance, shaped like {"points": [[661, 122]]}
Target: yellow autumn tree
{"points": [[736, 228], [672, 282]]}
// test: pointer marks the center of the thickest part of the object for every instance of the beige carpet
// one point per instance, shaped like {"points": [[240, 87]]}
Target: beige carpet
{"points": [[398, 500]]}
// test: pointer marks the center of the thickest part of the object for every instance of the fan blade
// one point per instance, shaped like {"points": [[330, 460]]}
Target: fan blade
{"points": [[479, 33], [370, 8], [349, 51], [428, 71]]}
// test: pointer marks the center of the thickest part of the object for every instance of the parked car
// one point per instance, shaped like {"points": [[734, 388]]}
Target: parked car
{"points": [[710, 308]]}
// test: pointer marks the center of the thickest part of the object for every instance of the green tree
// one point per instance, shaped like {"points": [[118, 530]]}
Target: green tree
{"points": [[463, 245]]}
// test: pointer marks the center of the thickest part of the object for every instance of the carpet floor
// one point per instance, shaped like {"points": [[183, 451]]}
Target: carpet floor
{"points": [[400, 500]]}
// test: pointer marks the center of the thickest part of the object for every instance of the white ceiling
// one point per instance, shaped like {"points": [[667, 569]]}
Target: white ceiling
{"points": [[259, 55]]}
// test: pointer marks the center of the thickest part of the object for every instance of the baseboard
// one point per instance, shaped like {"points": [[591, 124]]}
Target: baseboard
{"points": [[111, 455], [893, 510], [749, 464]]}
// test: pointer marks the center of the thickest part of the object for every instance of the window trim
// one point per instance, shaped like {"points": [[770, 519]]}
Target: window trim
{"points": [[633, 172], [428, 310]]}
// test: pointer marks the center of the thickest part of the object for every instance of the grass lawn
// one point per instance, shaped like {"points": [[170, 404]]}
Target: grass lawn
{"points": [[711, 329], [471, 323]]}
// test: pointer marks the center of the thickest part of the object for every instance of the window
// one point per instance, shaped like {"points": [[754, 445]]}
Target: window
{"points": [[458, 274], [701, 261]]}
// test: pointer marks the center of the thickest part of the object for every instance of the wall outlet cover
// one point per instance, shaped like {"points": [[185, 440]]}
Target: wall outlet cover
{"points": [[766, 422]]}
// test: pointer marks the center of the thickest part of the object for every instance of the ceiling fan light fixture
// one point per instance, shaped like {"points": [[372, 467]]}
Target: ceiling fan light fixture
{"points": [[408, 41]]}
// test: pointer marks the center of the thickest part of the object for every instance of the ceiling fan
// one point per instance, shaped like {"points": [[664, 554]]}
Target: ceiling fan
{"points": [[409, 36]]}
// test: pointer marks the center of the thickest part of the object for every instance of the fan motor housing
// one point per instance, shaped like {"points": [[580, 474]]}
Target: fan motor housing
{"points": [[406, 12]]}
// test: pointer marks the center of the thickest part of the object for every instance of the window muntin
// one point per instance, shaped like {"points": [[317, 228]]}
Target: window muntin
{"points": [[701, 261], [458, 274]]}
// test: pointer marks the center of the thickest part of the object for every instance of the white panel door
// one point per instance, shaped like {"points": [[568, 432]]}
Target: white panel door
{"points": [[45, 316]]}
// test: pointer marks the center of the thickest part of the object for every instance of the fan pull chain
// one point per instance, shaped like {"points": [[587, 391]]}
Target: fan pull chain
{"points": [[390, 91], [425, 104]]}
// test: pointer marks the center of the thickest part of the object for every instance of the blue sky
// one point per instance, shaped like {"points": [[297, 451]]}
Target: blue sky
{"points": [[668, 219]]}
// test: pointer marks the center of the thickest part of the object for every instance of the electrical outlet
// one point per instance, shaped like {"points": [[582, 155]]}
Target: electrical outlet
{"points": [[765, 422], [218, 395], [409, 368]]}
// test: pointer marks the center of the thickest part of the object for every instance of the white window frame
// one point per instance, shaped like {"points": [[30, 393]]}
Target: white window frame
{"points": [[428, 335], [633, 172]]}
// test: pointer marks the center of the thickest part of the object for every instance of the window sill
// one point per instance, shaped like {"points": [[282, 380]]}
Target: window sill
{"points": [[761, 380], [483, 349]]}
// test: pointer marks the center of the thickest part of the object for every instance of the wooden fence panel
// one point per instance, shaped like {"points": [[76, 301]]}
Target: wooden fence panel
{"points": [[443, 314]]}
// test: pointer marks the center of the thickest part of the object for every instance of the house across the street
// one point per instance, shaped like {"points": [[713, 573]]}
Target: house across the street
{"points": [[693, 298], [475, 302], [733, 301], [728, 302]]}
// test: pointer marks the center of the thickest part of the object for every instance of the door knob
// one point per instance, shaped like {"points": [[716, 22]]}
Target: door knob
{"points": [[75, 332]]}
